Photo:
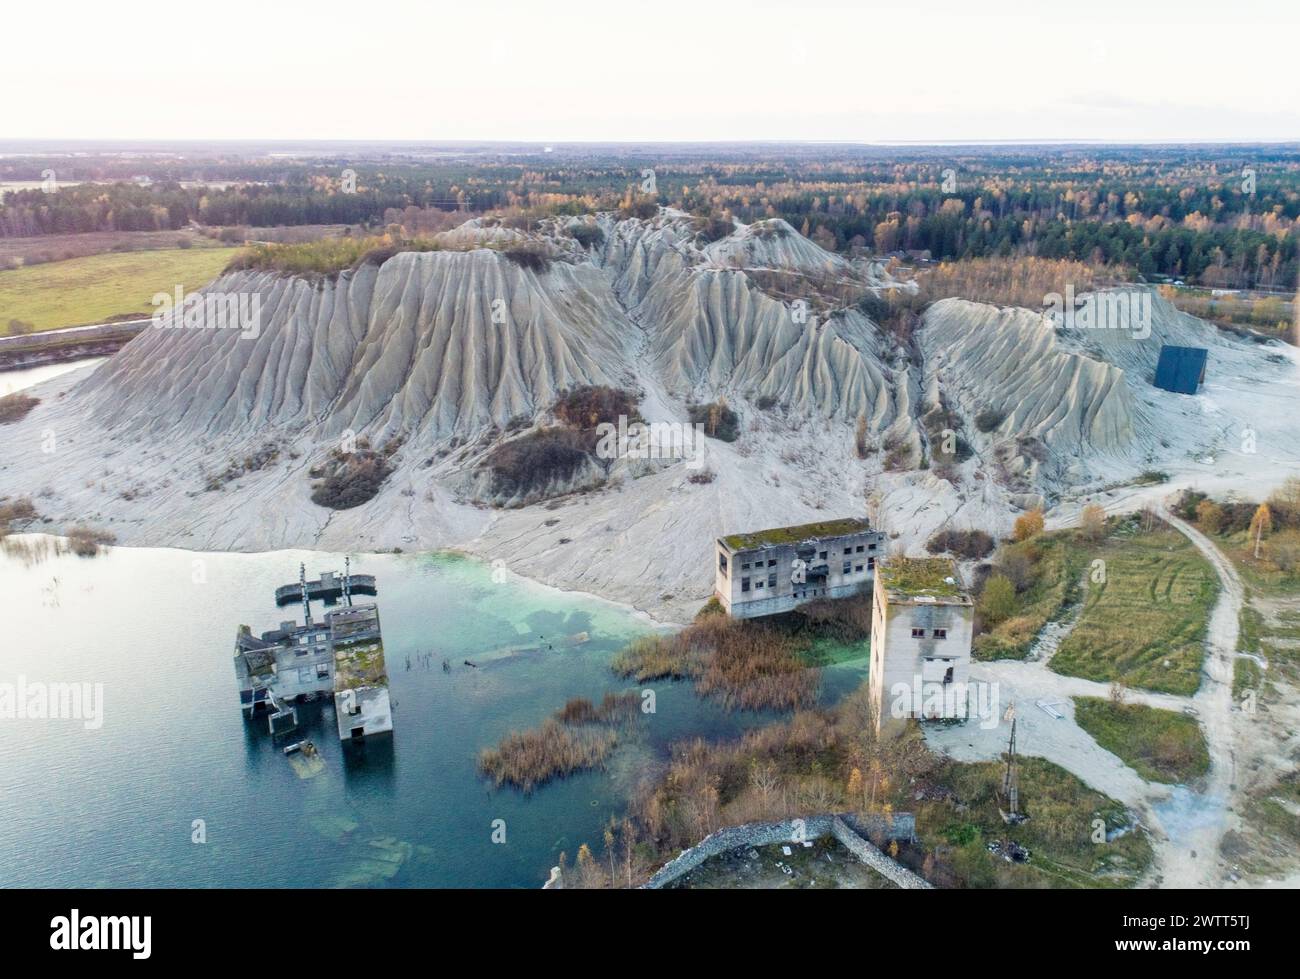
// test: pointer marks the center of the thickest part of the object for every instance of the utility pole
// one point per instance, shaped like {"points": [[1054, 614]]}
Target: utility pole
{"points": [[1011, 778], [306, 602], [347, 579]]}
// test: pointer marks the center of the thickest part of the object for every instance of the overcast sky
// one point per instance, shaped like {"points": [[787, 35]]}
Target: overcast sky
{"points": [[1124, 70]]}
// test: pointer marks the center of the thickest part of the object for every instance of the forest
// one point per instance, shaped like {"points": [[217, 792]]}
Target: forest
{"points": [[1219, 216]]}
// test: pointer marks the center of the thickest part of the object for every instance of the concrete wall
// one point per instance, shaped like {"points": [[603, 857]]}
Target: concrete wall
{"points": [[901, 826], [771, 572], [374, 711]]}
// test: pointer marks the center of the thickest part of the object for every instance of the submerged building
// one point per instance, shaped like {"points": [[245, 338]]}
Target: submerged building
{"points": [[341, 656], [922, 623], [770, 571]]}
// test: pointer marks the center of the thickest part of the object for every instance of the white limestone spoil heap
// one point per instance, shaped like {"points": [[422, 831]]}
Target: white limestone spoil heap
{"points": [[449, 353]]}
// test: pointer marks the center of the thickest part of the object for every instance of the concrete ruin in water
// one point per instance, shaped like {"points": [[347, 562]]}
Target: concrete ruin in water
{"points": [[342, 655]]}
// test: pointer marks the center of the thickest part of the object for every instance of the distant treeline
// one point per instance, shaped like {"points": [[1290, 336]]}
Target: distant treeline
{"points": [[1221, 216]]}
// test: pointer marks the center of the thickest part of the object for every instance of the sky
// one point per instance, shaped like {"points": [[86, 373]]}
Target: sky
{"points": [[940, 70]]}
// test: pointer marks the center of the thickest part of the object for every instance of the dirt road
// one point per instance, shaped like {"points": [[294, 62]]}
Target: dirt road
{"points": [[1194, 861]]}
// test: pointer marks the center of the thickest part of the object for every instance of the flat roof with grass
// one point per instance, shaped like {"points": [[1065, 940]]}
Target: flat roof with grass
{"points": [[793, 535], [912, 578]]}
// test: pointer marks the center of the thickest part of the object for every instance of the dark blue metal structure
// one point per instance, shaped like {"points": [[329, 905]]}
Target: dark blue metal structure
{"points": [[1181, 369]]}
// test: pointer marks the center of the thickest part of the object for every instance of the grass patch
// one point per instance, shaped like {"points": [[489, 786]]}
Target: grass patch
{"points": [[775, 536], [919, 576], [1246, 676], [1276, 813], [1250, 626], [1144, 624], [956, 827], [96, 288], [1265, 574], [1160, 745]]}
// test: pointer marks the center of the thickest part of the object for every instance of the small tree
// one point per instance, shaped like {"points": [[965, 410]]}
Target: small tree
{"points": [[1286, 498], [998, 601], [856, 787], [1029, 524], [1261, 525], [1092, 523], [1209, 516]]}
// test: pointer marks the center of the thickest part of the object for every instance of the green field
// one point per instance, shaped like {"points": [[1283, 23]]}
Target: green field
{"points": [[1159, 745], [97, 287], [1144, 625], [1058, 561]]}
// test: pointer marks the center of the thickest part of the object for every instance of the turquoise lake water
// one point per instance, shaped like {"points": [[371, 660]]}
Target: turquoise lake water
{"points": [[116, 806]]}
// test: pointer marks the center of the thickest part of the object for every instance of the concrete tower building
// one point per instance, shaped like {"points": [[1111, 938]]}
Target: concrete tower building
{"points": [[922, 620]]}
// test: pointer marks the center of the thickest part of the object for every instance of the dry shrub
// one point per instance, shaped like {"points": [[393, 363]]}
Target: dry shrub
{"points": [[719, 421], [743, 664], [970, 544], [351, 478], [86, 541], [528, 759], [613, 708], [756, 669], [841, 619], [528, 255], [586, 407], [578, 736], [805, 765], [14, 407], [19, 508], [538, 459]]}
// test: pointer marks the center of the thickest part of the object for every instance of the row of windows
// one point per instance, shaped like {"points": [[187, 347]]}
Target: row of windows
{"points": [[849, 568], [771, 562], [771, 582], [937, 633]]}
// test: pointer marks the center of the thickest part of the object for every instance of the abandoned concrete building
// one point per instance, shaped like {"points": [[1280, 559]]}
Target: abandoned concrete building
{"points": [[772, 571], [343, 656], [922, 622]]}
